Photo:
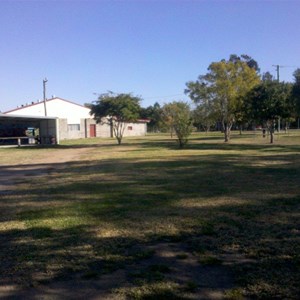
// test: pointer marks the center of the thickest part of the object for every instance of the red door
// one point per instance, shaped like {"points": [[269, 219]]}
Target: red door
{"points": [[92, 130]]}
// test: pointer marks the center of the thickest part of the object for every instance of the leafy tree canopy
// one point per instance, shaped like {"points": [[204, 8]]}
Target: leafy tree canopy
{"points": [[204, 116], [245, 58], [224, 86], [152, 112], [297, 76], [296, 91], [116, 110], [267, 76], [269, 101]]}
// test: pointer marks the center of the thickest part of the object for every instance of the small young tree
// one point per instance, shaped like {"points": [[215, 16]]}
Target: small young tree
{"points": [[116, 111], [178, 117]]}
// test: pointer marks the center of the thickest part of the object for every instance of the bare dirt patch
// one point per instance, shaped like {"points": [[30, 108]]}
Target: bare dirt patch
{"points": [[13, 174]]}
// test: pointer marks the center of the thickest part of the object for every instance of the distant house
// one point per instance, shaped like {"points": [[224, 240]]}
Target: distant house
{"points": [[74, 120]]}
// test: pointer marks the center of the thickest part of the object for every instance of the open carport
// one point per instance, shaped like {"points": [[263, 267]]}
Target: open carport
{"points": [[20, 130]]}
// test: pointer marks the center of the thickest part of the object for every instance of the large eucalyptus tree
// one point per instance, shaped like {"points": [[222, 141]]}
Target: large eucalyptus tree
{"points": [[223, 88]]}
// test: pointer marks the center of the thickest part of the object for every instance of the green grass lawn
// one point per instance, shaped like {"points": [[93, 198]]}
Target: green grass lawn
{"points": [[233, 206]]}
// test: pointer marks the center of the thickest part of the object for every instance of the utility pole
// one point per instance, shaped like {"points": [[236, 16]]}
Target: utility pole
{"points": [[44, 95], [277, 70]]}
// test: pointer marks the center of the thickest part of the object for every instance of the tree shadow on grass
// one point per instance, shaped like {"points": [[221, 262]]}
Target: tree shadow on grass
{"points": [[171, 144], [41, 256], [203, 143], [84, 219]]}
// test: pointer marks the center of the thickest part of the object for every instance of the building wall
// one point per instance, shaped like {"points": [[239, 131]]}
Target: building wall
{"points": [[131, 129], [63, 129], [68, 131], [135, 129], [75, 120], [103, 130]]}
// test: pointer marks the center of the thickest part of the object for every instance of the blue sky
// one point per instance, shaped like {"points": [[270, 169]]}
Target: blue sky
{"points": [[148, 48]]}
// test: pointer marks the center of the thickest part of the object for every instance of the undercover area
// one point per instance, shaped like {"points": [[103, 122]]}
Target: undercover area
{"points": [[25, 130]]}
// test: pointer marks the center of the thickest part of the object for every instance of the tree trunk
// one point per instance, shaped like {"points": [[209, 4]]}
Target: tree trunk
{"points": [[226, 135], [226, 128], [111, 128], [271, 136], [119, 131], [180, 143], [271, 130], [286, 126]]}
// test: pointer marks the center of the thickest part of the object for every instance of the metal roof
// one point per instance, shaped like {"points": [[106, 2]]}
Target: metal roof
{"points": [[41, 102], [27, 118]]}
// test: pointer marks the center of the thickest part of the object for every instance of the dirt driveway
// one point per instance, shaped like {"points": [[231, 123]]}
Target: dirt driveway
{"points": [[12, 173]]}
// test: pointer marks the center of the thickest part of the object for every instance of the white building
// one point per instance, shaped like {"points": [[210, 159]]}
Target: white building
{"points": [[75, 120]]}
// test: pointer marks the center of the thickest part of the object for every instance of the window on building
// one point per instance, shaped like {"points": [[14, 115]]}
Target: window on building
{"points": [[129, 127], [73, 127]]}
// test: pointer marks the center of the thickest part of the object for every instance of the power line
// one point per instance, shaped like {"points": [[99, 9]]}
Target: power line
{"points": [[278, 67], [157, 97], [289, 66]]}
